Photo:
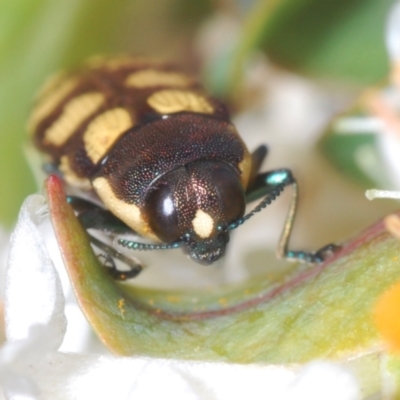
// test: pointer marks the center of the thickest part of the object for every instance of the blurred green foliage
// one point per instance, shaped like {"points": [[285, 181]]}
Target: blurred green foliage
{"points": [[333, 39], [339, 39], [341, 151]]}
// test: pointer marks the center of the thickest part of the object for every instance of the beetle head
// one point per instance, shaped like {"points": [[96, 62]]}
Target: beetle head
{"points": [[206, 251], [195, 204]]}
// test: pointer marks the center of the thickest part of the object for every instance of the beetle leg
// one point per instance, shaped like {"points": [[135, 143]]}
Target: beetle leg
{"points": [[91, 216], [109, 261], [257, 158], [269, 185]]}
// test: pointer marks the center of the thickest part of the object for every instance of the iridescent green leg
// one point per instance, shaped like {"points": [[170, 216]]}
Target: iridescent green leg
{"points": [[92, 216], [269, 185]]}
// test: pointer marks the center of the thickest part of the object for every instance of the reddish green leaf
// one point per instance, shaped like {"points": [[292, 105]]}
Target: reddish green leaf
{"points": [[323, 311]]}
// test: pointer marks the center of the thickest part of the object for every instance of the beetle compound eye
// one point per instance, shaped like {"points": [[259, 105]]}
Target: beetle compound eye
{"points": [[219, 190], [162, 214], [231, 193]]}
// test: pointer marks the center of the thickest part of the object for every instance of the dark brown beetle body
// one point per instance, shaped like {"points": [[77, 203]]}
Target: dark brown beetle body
{"points": [[161, 155], [159, 152]]}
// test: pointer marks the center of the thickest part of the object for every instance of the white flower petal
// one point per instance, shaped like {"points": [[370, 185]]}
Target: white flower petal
{"points": [[393, 33], [324, 380], [15, 383], [77, 376], [33, 294], [202, 380], [4, 240]]}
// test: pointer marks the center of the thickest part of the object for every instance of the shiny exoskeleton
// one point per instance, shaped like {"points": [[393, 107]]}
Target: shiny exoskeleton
{"points": [[161, 155]]}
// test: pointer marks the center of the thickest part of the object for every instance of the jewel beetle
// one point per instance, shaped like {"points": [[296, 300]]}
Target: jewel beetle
{"points": [[158, 156]]}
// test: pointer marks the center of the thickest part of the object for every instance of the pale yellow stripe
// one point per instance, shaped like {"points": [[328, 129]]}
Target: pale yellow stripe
{"points": [[151, 77], [74, 113], [104, 130], [171, 101], [70, 176], [129, 213], [49, 100]]}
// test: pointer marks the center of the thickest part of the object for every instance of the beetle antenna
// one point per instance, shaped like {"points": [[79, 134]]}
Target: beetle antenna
{"points": [[268, 199], [147, 246]]}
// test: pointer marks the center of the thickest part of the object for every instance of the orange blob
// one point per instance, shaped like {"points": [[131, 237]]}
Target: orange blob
{"points": [[386, 315]]}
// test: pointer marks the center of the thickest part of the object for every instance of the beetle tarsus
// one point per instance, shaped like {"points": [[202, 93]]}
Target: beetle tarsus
{"points": [[269, 185], [120, 275], [326, 252], [316, 257], [111, 254]]}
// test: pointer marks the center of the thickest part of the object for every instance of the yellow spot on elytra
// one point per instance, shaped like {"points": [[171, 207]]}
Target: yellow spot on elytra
{"points": [[150, 77], [129, 213], [74, 113], [203, 224], [70, 176], [121, 306], [173, 299], [49, 98], [104, 130], [386, 317], [172, 100]]}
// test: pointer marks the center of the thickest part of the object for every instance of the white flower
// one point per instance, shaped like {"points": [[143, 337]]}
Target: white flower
{"points": [[382, 105], [393, 33]]}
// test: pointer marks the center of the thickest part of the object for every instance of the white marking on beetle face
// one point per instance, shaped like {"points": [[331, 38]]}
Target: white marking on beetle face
{"points": [[203, 224], [129, 213]]}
